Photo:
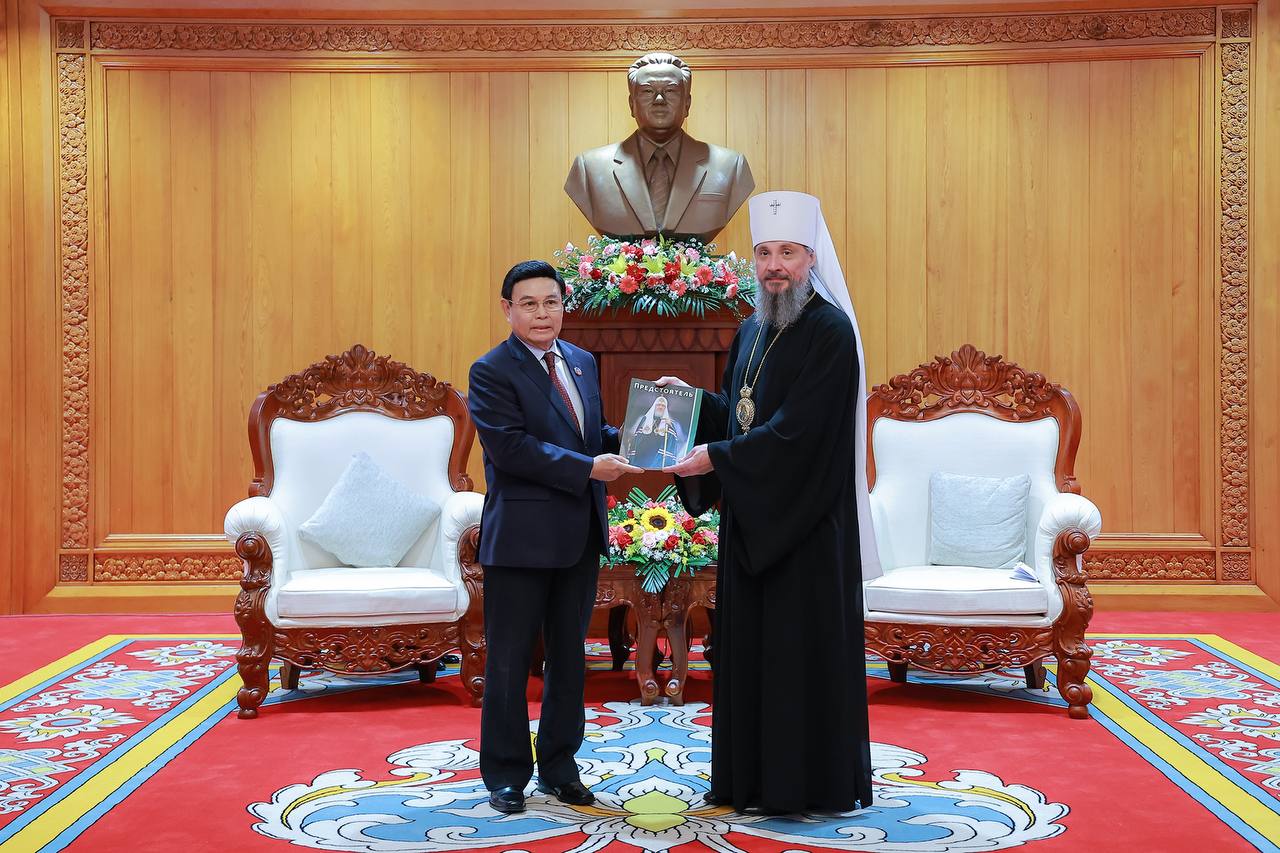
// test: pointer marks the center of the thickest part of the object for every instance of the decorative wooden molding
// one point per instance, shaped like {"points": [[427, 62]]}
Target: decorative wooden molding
{"points": [[358, 380], [1236, 24], [70, 35], [73, 235], [1150, 565], [1233, 303], [656, 35], [972, 381], [1237, 567], [135, 568], [73, 568]]}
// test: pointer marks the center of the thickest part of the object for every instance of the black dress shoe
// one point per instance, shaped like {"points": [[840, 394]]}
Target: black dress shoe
{"points": [[508, 800], [573, 793], [712, 800]]}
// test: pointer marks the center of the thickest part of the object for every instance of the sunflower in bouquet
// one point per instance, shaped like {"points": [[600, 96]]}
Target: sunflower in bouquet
{"points": [[659, 538]]}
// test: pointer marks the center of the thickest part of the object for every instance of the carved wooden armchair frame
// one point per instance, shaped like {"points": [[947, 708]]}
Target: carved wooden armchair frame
{"points": [[358, 380], [972, 381]]}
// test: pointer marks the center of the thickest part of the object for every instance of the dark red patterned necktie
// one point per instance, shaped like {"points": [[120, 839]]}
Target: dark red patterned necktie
{"points": [[550, 359]]}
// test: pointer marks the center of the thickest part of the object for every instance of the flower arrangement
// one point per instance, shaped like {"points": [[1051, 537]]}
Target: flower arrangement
{"points": [[660, 276], [660, 538]]}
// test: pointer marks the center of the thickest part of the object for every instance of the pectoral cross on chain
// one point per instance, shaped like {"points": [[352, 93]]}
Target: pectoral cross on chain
{"points": [[775, 204]]}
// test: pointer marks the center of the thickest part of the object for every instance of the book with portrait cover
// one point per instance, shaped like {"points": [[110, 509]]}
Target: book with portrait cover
{"points": [[660, 424]]}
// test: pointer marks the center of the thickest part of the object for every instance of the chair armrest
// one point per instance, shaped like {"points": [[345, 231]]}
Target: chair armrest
{"points": [[460, 511], [1065, 513], [259, 515]]}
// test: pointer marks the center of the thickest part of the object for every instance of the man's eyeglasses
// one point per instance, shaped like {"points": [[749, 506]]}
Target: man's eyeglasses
{"points": [[530, 306]]}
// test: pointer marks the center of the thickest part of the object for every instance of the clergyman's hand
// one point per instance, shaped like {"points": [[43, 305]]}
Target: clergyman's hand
{"points": [[697, 462], [664, 381], [608, 467]]}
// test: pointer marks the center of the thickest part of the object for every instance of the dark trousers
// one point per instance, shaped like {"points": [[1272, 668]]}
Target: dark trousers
{"points": [[518, 603]]}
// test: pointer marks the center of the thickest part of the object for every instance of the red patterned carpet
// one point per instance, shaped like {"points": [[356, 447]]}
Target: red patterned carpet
{"points": [[136, 744]]}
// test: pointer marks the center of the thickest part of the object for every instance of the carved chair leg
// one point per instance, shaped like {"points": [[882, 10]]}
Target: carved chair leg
{"points": [[1069, 646], [1073, 666], [289, 672], [472, 671], [1035, 675], [427, 672], [253, 663], [473, 647], [257, 643], [619, 637], [898, 671]]}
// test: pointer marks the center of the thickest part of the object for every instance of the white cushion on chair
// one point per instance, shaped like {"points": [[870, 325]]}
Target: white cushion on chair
{"points": [[977, 521], [369, 518], [367, 592], [954, 590]]}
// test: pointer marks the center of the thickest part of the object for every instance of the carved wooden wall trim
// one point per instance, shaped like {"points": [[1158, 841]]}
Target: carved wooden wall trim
{"points": [[73, 174], [1150, 565], [1232, 27], [73, 568], [701, 35], [1233, 307], [135, 568]]}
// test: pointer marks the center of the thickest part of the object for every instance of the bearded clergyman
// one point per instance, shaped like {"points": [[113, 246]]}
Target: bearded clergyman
{"points": [[783, 447]]}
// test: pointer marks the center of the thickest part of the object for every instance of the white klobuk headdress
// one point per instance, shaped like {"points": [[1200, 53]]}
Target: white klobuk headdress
{"points": [[797, 218]]}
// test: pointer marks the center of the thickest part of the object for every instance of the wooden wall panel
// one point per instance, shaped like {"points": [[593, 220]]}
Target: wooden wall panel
{"points": [[1060, 207], [992, 201]]}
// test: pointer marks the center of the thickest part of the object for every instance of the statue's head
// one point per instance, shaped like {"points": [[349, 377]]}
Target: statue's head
{"points": [[659, 84]]}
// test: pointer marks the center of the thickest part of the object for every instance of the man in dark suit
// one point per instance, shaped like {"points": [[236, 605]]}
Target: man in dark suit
{"points": [[548, 452]]}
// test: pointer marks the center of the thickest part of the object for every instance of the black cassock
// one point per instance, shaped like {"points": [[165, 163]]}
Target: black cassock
{"points": [[789, 720]]}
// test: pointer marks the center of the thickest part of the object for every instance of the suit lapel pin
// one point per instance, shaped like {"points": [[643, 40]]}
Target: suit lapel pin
{"points": [[577, 371]]}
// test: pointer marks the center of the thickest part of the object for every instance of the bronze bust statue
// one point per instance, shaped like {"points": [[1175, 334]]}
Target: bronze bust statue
{"points": [[659, 179]]}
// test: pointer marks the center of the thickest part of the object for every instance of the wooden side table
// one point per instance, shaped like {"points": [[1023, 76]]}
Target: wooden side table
{"points": [[619, 585], [656, 614]]}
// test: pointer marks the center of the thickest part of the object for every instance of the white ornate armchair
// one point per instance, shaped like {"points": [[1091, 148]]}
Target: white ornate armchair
{"points": [[298, 603], [982, 416]]}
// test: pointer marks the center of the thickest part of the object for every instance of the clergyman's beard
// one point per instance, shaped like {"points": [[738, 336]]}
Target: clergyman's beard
{"points": [[782, 309]]}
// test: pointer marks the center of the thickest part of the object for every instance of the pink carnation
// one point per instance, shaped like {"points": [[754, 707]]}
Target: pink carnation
{"points": [[692, 255], [731, 291], [584, 268]]}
